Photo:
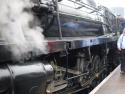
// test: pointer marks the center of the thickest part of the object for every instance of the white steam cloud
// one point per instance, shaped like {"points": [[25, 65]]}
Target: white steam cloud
{"points": [[19, 29]]}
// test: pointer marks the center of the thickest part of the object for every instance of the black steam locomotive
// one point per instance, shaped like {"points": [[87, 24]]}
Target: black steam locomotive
{"points": [[81, 42]]}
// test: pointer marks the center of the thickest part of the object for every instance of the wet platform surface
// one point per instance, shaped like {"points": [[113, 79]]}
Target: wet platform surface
{"points": [[113, 84]]}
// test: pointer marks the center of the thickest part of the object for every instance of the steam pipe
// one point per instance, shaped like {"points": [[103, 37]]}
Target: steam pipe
{"points": [[58, 19]]}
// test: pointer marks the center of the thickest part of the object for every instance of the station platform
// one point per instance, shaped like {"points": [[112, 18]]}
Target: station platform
{"points": [[112, 84]]}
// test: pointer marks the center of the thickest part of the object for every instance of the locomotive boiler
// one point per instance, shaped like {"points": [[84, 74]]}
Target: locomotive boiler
{"points": [[81, 43], [80, 39]]}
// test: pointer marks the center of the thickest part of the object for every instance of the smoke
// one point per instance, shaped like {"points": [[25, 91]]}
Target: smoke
{"points": [[19, 30]]}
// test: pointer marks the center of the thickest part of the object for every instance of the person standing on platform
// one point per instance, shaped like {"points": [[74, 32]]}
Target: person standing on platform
{"points": [[121, 48]]}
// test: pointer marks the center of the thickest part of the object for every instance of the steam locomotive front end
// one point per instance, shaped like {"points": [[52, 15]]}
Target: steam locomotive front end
{"points": [[28, 78], [21, 42]]}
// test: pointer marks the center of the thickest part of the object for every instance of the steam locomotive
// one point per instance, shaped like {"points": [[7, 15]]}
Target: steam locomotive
{"points": [[81, 42]]}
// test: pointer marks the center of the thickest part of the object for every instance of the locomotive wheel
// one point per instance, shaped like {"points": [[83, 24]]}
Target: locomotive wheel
{"points": [[96, 64]]}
